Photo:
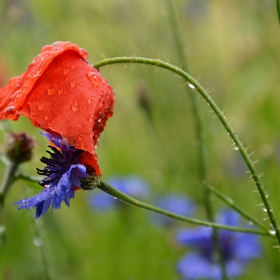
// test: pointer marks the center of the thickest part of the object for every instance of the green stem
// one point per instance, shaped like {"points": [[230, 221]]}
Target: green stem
{"points": [[278, 9], [42, 249], [220, 115], [8, 180], [125, 198], [229, 201]]}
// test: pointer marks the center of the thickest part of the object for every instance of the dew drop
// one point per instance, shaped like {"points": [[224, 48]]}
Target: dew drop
{"points": [[88, 100], [91, 75], [41, 107], [75, 106], [51, 91], [73, 84], [9, 110], [272, 231], [236, 148], [191, 86], [60, 91], [46, 118], [264, 210], [66, 71], [73, 66], [38, 242], [90, 119]]}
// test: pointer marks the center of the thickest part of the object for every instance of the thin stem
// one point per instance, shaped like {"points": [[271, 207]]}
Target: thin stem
{"points": [[278, 9], [8, 180], [229, 201], [220, 115], [125, 198], [199, 138], [40, 244]]}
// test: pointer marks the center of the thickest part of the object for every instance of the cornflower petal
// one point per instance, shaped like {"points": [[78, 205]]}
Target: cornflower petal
{"points": [[63, 177], [237, 249]]}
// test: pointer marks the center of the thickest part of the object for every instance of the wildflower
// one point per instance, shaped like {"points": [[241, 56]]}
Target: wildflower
{"points": [[64, 95], [132, 186], [61, 92], [64, 173], [237, 250], [177, 204]]}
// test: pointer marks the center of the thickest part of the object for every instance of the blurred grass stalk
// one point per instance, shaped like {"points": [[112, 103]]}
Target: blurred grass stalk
{"points": [[200, 147]]}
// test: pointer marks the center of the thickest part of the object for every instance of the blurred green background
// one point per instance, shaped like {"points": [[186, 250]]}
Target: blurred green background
{"points": [[232, 48]]}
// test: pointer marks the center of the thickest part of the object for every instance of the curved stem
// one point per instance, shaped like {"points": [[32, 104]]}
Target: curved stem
{"points": [[229, 201], [220, 115], [125, 198]]}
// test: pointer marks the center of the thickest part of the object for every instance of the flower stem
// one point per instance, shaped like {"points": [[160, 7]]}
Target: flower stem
{"points": [[278, 9], [229, 201], [125, 198], [8, 180], [220, 115]]}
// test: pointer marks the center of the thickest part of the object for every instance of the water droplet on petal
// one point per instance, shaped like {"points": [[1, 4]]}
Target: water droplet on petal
{"points": [[51, 91], [89, 100], [60, 91], [73, 84], [73, 66], [46, 118], [66, 71], [91, 75], [75, 106], [40, 107], [9, 110], [90, 119]]}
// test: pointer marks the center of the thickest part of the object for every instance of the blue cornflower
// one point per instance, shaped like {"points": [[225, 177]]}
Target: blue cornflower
{"points": [[178, 204], [237, 249], [63, 173], [131, 185]]}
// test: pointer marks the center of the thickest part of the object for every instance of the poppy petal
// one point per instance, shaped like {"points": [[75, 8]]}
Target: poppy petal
{"points": [[62, 93]]}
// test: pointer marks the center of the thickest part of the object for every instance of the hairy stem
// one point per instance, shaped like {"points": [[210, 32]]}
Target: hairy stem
{"points": [[220, 115], [125, 198]]}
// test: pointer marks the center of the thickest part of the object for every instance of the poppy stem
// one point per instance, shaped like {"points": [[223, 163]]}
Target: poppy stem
{"points": [[238, 144], [125, 198]]}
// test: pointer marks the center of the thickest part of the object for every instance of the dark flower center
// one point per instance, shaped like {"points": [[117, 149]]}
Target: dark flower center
{"points": [[58, 163]]}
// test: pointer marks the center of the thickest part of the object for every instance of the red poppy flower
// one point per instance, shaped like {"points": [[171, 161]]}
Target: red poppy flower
{"points": [[61, 92]]}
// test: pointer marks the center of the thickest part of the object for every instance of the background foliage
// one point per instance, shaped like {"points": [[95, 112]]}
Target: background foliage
{"points": [[231, 46]]}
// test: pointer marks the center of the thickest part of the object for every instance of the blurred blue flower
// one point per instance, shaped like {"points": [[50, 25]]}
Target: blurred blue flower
{"points": [[197, 9], [178, 204], [63, 173], [131, 185], [237, 249]]}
